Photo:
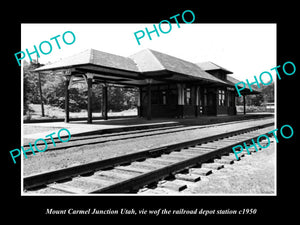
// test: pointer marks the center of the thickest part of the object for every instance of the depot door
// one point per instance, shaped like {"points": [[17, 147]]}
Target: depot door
{"points": [[211, 103]]}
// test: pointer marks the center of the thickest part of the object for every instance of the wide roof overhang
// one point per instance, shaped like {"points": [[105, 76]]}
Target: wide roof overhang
{"points": [[127, 78], [146, 66], [244, 89]]}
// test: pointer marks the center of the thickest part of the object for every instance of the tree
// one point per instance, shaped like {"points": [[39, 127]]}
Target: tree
{"points": [[30, 84], [119, 98], [266, 95], [54, 93]]}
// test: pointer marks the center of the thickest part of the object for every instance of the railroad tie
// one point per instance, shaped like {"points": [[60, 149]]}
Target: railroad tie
{"points": [[133, 169], [67, 188], [230, 157], [203, 147], [115, 175], [96, 180], [214, 166], [173, 186], [148, 191], [185, 154], [187, 177], [174, 157], [147, 165], [224, 161], [191, 152], [201, 171], [162, 161]]}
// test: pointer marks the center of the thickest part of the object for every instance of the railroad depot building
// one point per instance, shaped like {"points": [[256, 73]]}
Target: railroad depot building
{"points": [[168, 86]]}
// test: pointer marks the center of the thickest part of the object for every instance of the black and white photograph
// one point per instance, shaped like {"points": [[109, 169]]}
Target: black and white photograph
{"points": [[130, 112], [178, 114]]}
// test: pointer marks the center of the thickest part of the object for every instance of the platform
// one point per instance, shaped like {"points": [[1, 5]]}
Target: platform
{"points": [[33, 131]]}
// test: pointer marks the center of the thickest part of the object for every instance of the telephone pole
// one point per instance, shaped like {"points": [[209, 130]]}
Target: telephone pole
{"points": [[40, 88]]}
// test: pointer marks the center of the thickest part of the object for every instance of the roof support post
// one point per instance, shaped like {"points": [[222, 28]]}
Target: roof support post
{"points": [[197, 96], [180, 100], [139, 100], [90, 92], [67, 82], [180, 94], [104, 101], [244, 103], [149, 116]]}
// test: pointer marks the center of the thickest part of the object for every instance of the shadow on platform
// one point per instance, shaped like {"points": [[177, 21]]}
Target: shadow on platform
{"points": [[33, 131], [124, 121]]}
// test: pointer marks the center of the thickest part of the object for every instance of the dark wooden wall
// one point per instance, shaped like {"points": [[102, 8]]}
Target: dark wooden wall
{"points": [[164, 99]]}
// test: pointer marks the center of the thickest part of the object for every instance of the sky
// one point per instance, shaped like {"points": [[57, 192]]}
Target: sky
{"points": [[244, 49]]}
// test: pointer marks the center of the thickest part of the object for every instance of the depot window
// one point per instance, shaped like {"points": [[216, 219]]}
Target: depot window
{"points": [[221, 97], [188, 97]]}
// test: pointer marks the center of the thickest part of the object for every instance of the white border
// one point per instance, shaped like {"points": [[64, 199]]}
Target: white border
{"points": [[139, 195]]}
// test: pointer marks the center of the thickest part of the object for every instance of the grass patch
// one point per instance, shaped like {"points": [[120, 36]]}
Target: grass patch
{"points": [[52, 112]]}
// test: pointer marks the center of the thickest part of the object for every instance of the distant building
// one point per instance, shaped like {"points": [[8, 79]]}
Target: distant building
{"points": [[270, 106]]}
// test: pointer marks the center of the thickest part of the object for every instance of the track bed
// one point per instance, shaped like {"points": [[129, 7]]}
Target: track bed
{"points": [[131, 172]]}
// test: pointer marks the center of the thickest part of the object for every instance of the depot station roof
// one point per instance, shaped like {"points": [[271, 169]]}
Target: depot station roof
{"points": [[137, 68]]}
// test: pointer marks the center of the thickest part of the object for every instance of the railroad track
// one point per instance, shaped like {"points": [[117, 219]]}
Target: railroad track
{"points": [[80, 140], [131, 172]]}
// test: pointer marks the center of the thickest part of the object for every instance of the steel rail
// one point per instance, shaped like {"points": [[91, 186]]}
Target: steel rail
{"points": [[45, 178], [77, 142], [139, 181]]}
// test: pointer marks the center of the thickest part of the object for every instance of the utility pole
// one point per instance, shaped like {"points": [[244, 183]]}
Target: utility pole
{"points": [[40, 88]]}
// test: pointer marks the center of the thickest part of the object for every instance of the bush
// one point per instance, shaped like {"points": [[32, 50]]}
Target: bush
{"points": [[251, 108], [54, 94], [53, 89]]}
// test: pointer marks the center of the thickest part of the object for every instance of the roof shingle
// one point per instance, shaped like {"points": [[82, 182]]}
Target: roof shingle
{"points": [[146, 60], [212, 66], [149, 60], [94, 57]]}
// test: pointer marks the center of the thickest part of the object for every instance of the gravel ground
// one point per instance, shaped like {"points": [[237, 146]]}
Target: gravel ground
{"points": [[29, 129], [253, 174], [51, 160]]}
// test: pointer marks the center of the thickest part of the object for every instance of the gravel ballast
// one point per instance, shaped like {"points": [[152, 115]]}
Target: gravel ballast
{"points": [[52, 160]]}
